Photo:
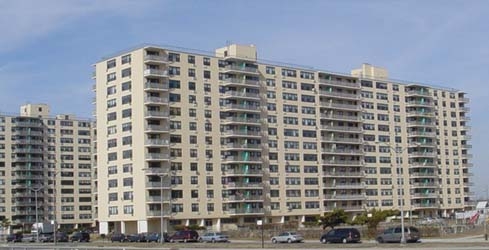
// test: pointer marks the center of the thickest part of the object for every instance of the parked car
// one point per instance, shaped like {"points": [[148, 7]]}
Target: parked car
{"points": [[155, 237], [136, 238], [29, 238], [80, 237], [14, 237], [341, 235], [46, 237], [288, 237], [61, 237], [185, 236], [393, 234], [214, 237], [118, 237]]}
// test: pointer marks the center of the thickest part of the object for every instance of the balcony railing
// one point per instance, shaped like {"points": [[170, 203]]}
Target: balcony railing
{"points": [[241, 120], [236, 211], [158, 184], [159, 142], [343, 174], [340, 83], [157, 114], [157, 156], [243, 198], [242, 159], [241, 132], [339, 94], [154, 99], [340, 106], [341, 128], [421, 133], [247, 107], [154, 85], [240, 68], [344, 197], [157, 128], [241, 145], [156, 58], [156, 72], [346, 140], [242, 171], [243, 185], [247, 82], [341, 117], [345, 185], [342, 163], [342, 151], [418, 92], [241, 94]]}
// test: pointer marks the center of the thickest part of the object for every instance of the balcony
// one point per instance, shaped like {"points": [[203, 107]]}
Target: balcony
{"points": [[417, 113], [155, 73], [344, 197], [341, 117], [425, 205], [27, 159], [244, 146], [29, 141], [421, 165], [231, 159], [241, 133], [419, 103], [157, 128], [159, 184], [418, 92], [423, 154], [421, 174], [242, 198], [28, 150], [157, 142], [343, 84], [241, 95], [342, 151], [94, 87], [241, 69], [156, 59], [232, 81], [157, 213], [421, 134], [341, 163], [242, 171], [343, 174], [342, 140], [464, 109], [155, 100], [33, 124], [421, 124], [342, 128], [157, 199], [418, 195], [333, 105], [156, 114], [240, 185], [344, 186], [243, 120], [340, 95], [424, 185], [27, 133], [155, 86], [241, 107], [244, 211], [157, 156]]}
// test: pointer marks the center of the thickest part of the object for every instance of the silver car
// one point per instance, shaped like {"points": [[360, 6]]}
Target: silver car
{"points": [[214, 237], [288, 237], [393, 234]]}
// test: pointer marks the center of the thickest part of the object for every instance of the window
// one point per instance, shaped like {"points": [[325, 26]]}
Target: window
{"points": [[207, 74], [126, 59], [270, 70], [126, 72], [111, 64], [111, 77], [207, 61], [126, 113], [111, 103], [111, 90], [191, 73], [111, 116], [126, 99], [174, 57], [191, 59]]}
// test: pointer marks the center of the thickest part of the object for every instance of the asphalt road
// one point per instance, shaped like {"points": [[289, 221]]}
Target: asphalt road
{"points": [[471, 242]]}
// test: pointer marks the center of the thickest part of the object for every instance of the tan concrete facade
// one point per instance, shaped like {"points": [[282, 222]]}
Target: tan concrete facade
{"points": [[223, 140], [51, 155]]}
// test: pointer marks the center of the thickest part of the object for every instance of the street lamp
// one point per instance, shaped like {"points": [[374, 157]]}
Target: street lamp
{"points": [[161, 175], [399, 150], [35, 190]]}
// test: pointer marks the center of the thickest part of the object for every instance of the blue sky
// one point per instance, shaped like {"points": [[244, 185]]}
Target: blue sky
{"points": [[47, 48]]}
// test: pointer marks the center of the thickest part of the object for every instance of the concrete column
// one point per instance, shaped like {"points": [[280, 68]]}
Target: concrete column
{"points": [[142, 226], [103, 227]]}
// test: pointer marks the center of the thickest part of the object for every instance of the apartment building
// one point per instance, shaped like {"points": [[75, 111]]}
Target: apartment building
{"points": [[45, 169], [223, 139]]}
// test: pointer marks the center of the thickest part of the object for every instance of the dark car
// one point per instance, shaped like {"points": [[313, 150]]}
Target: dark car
{"points": [[341, 235], [46, 237], [61, 237], [118, 237], [14, 238], [185, 236], [393, 234], [136, 238], [80, 237], [155, 237]]}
